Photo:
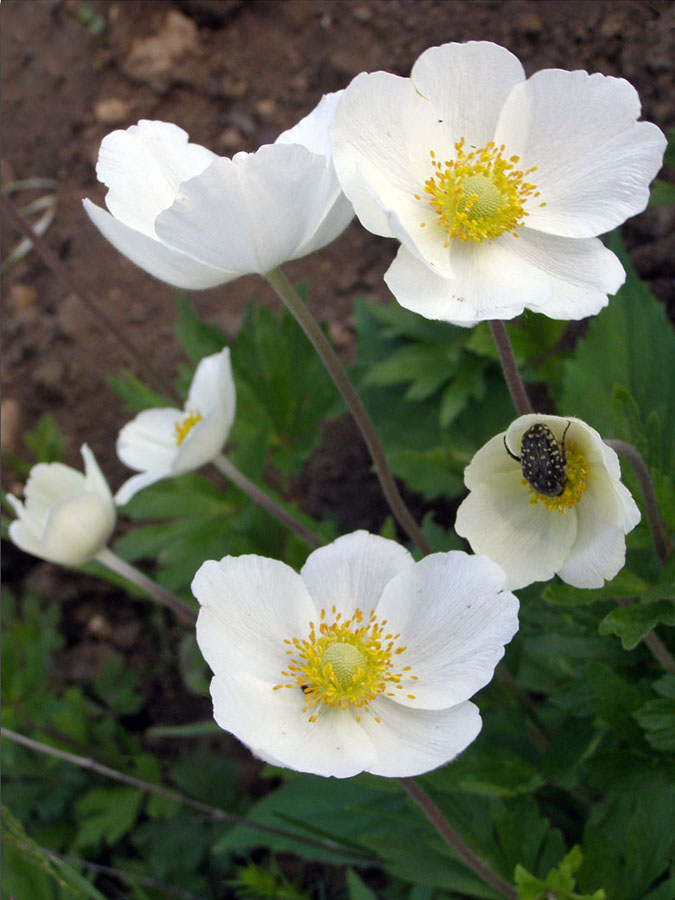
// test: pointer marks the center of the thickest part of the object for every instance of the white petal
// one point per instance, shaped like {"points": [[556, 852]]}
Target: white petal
{"points": [[490, 283], [594, 163], [454, 631], [76, 529], [144, 167], [203, 443], [25, 531], [149, 440], [251, 213], [212, 386], [250, 605], [582, 272], [162, 262], [337, 214], [138, 482], [383, 133], [467, 85], [95, 482], [312, 130], [273, 722], [529, 542], [492, 460], [412, 741], [47, 484], [599, 551], [352, 572]]}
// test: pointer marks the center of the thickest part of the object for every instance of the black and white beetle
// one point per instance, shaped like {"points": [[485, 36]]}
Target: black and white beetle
{"points": [[543, 460]]}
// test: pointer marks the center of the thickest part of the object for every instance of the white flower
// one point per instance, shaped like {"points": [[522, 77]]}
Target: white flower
{"points": [[495, 185], [196, 220], [362, 662], [579, 534], [161, 443], [67, 517]]}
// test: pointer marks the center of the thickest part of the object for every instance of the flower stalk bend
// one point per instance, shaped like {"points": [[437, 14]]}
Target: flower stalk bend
{"points": [[289, 296], [120, 567], [420, 797], [264, 501]]}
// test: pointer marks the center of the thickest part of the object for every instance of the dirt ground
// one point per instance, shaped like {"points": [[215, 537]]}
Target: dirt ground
{"points": [[234, 73]]}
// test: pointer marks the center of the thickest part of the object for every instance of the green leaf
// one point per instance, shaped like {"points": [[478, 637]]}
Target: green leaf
{"points": [[657, 717], [198, 339], [614, 699], [662, 193], [632, 623], [357, 889], [45, 440], [631, 343], [135, 395], [282, 387], [625, 584], [105, 814], [117, 685]]}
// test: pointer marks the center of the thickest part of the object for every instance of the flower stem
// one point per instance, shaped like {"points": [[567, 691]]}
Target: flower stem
{"points": [[658, 529], [450, 836], [289, 296], [511, 372], [225, 467], [113, 562], [83, 294], [219, 815]]}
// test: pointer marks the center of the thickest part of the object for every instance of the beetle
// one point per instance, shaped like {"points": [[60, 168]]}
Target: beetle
{"points": [[542, 459]]}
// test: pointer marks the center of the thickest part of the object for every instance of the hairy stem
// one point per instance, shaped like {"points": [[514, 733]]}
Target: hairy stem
{"points": [[219, 815], [225, 467], [289, 296], [113, 562], [83, 294], [658, 529], [417, 793], [511, 372]]}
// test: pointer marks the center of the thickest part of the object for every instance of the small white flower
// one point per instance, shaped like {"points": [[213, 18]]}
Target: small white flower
{"points": [[362, 662], [579, 534], [196, 220], [67, 517], [162, 443], [496, 185]]}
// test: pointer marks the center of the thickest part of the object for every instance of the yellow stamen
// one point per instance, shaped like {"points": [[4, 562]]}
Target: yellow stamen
{"points": [[575, 484], [346, 664], [479, 195], [182, 429]]}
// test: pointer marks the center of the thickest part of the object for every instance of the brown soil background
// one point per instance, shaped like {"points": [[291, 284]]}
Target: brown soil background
{"points": [[234, 73]]}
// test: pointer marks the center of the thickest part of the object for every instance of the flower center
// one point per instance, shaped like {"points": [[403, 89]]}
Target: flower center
{"points": [[575, 484], [346, 664], [479, 195], [183, 428]]}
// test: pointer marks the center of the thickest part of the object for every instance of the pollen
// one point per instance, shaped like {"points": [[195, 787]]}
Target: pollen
{"points": [[575, 484], [345, 664], [183, 428], [479, 195]]}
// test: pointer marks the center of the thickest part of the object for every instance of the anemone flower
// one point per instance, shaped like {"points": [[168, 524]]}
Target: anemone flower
{"points": [[362, 662], [196, 220], [162, 443], [67, 517], [535, 523], [496, 185]]}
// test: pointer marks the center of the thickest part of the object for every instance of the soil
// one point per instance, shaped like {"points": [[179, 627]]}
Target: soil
{"points": [[233, 74]]}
